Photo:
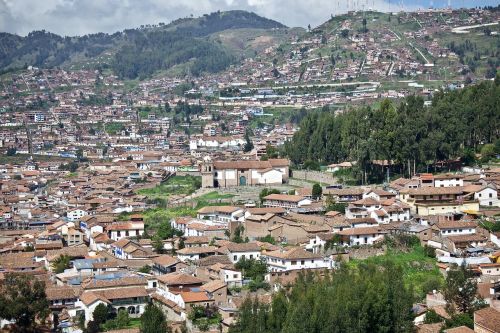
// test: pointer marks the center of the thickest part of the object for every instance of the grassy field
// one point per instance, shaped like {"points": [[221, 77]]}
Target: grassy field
{"points": [[215, 196], [21, 158], [417, 267], [176, 185]]}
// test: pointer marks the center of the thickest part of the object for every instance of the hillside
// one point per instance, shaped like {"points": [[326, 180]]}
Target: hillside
{"points": [[138, 52]]}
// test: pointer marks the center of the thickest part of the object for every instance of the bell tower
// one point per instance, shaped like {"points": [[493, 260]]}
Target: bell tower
{"points": [[207, 173]]}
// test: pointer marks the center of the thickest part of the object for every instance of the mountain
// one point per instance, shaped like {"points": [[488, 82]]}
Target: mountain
{"points": [[139, 53]]}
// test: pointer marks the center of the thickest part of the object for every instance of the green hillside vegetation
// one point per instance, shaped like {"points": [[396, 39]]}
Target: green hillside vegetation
{"points": [[136, 53], [458, 124], [371, 298]]}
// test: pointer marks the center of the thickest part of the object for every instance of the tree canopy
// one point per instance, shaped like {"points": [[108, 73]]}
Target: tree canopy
{"points": [[371, 298], [23, 299], [408, 133]]}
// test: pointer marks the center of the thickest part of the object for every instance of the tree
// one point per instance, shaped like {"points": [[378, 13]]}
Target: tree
{"points": [[61, 263], [265, 192], [248, 142], [153, 320], [122, 320], [364, 25], [146, 269], [157, 244], [238, 234], [23, 299], [317, 191], [344, 33], [11, 151], [460, 291], [432, 317], [100, 314]]}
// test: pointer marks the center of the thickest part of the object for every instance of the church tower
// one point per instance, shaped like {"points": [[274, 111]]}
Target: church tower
{"points": [[207, 173]]}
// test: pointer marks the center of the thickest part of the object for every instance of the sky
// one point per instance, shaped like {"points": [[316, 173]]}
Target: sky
{"points": [[79, 17]]}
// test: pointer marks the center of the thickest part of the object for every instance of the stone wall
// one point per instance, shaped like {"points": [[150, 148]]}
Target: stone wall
{"points": [[315, 176]]}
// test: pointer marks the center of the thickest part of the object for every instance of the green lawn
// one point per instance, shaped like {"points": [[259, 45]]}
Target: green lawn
{"points": [[417, 267], [176, 185], [215, 196]]}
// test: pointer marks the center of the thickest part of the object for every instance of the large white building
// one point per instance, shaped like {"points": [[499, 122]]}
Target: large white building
{"points": [[295, 258]]}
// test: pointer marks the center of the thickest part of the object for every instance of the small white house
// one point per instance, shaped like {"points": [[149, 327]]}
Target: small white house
{"points": [[76, 214], [238, 251]]}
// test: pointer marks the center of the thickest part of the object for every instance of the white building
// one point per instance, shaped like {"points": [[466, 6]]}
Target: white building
{"points": [[448, 180], [238, 251], [222, 214], [76, 214], [295, 258], [361, 236], [286, 201]]}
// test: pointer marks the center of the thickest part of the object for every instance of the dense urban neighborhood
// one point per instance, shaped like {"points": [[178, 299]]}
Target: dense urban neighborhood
{"points": [[339, 178]]}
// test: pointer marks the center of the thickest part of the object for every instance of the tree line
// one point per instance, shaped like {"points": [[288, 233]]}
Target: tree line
{"points": [[368, 299], [413, 136]]}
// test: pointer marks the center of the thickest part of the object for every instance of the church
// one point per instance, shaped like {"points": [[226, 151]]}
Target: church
{"points": [[243, 173]]}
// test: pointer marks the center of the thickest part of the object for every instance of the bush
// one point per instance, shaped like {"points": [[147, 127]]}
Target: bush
{"points": [[432, 317]]}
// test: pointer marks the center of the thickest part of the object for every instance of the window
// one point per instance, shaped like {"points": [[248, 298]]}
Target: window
{"points": [[235, 276], [235, 258], [302, 262], [251, 256], [491, 195], [294, 262]]}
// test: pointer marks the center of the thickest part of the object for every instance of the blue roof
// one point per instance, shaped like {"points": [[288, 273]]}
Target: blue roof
{"points": [[84, 263]]}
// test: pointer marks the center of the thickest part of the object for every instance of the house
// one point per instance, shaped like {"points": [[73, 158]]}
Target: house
{"points": [[177, 293], [448, 180], [345, 194], [196, 253], [60, 297], [216, 290], [487, 320], [223, 214], [76, 214], [295, 258], [487, 195], [119, 230], [361, 236], [164, 264], [132, 299], [425, 201], [452, 228], [286, 201], [128, 249], [238, 251], [339, 166]]}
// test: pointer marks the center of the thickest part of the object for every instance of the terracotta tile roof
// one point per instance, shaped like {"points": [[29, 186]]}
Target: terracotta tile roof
{"points": [[89, 297], [360, 231], [194, 297], [211, 260], [293, 253], [218, 209], [126, 281], [488, 318], [197, 250], [284, 197], [436, 190], [165, 260], [460, 329], [456, 224], [266, 210], [213, 286], [176, 279], [243, 247], [61, 292]]}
